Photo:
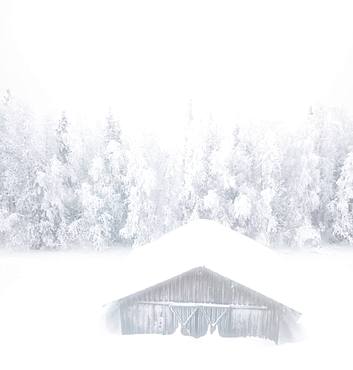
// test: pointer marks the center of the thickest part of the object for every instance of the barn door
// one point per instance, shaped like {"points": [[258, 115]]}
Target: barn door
{"points": [[184, 316], [213, 316], [191, 320], [197, 320]]}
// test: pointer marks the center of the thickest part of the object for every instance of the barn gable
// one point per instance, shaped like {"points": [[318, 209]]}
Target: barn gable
{"points": [[202, 285], [200, 300]]}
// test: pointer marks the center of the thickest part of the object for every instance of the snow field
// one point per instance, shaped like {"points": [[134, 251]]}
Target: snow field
{"points": [[52, 307]]}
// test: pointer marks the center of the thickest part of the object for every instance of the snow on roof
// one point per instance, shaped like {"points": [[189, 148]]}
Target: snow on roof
{"points": [[207, 243]]}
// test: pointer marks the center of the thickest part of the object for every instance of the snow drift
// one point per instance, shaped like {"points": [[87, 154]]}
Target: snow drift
{"points": [[51, 307]]}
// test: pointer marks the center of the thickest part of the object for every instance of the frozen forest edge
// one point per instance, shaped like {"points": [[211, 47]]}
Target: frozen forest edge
{"points": [[60, 189]]}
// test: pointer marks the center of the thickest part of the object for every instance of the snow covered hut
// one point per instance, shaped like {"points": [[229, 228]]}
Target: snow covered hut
{"points": [[200, 301]]}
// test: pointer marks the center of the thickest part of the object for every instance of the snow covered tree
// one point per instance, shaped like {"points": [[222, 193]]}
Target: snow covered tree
{"points": [[153, 193], [187, 196], [116, 163], [107, 189], [208, 179], [61, 188], [343, 203], [44, 221], [63, 142], [18, 156], [141, 217], [300, 193], [112, 130], [94, 219], [332, 154], [240, 185], [269, 159]]}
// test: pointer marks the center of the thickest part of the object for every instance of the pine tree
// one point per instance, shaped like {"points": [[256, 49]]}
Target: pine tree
{"points": [[300, 192], [208, 182], [62, 138], [240, 191], [107, 189], [269, 159], [343, 203], [18, 156], [62, 187], [153, 194], [44, 221], [187, 202], [142, 216], [112, 130]]}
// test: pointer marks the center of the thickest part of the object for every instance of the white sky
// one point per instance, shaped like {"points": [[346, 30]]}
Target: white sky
{"points": [[267, 60]]}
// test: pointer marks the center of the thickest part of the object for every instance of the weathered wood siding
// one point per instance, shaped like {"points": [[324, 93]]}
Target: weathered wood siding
{"points": [[201, 300]]}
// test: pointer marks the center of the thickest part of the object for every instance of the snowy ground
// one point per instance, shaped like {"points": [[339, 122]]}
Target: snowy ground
{"points": [[51, 305]]}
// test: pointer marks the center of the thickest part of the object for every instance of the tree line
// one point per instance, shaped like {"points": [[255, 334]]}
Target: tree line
{"points": [[60, 189]]}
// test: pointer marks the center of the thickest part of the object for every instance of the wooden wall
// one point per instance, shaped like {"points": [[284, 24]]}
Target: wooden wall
{"points": [[199, 301]]}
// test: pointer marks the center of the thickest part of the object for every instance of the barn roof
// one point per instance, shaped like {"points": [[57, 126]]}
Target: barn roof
{"points": [[221, 249]]}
